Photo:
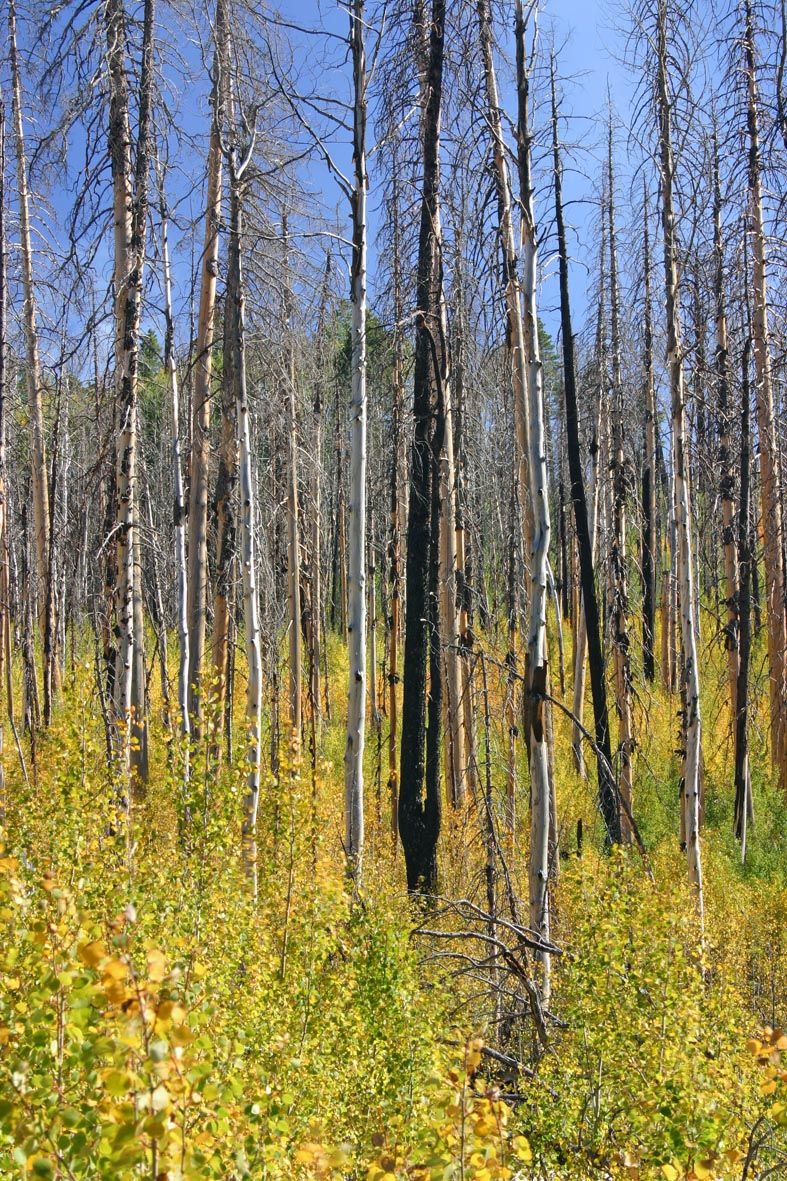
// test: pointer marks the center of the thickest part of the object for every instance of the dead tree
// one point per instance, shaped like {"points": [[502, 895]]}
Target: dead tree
{"points": [[690, 794], [606, 786], [419, 810]]}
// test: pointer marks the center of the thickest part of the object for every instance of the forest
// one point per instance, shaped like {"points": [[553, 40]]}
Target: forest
{"points": [[393, 590]]}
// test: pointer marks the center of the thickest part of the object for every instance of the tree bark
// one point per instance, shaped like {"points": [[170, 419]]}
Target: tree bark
{"points": [[536, 671], [201, 398], [773, 528], [585, 540], [682, 506], [726, 477], [130, 230], [419, 809], [356, 698], [649, 488], [178, 505], [621, 640], [35, 393], [293, 528]]}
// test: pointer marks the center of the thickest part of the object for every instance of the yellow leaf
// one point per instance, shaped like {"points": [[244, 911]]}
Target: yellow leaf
{"points": [[157, 965], [522, 1149], [670, 1172], [114, 970], [92, 953]]}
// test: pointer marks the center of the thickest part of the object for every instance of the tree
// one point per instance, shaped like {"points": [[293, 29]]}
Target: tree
{"points": [[356, 701], [130, 198], [35, 392], [419, 792], [690, 792], [606, 785], [772, 516], [203, 368]]}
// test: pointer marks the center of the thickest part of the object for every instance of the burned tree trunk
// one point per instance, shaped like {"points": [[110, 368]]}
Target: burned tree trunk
{"points": [[419, 809]]}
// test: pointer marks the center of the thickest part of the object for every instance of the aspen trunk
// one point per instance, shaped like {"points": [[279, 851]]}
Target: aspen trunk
{"points": [[315, 558], [523, 351], [35, 391], [293, 529], [248, 559], [201, 398], [682, 507], [773, 529], [356, 698], [226, 482], [455, 741], [179, 506], [513, 288]]}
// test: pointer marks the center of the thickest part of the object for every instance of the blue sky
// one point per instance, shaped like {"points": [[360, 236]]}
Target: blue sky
{"points": [[588, 46]]}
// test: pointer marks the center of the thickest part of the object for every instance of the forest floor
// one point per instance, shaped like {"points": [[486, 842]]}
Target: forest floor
{"points": [[158, 1020]]}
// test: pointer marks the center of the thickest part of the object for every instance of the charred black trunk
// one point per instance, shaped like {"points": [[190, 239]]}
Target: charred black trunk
{"points": [[745, 566], [607, 790], [419, 792]]}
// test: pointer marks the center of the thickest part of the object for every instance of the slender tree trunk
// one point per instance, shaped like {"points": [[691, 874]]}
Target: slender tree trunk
{"points": [[130, 220], [726, 477], [592, 498], [773, 529], [315, 560], [618, 490], [247, 514], [224, 506], [745, 562], [682, 507], [455, 741], [522, 335], [649, 488], [201, 396], [394, 555], [226, 485], [608, 804], [35, 391], [419, 795], [356, 699], [293, 529], [536, 671], [179, 505], [515, 331]]}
